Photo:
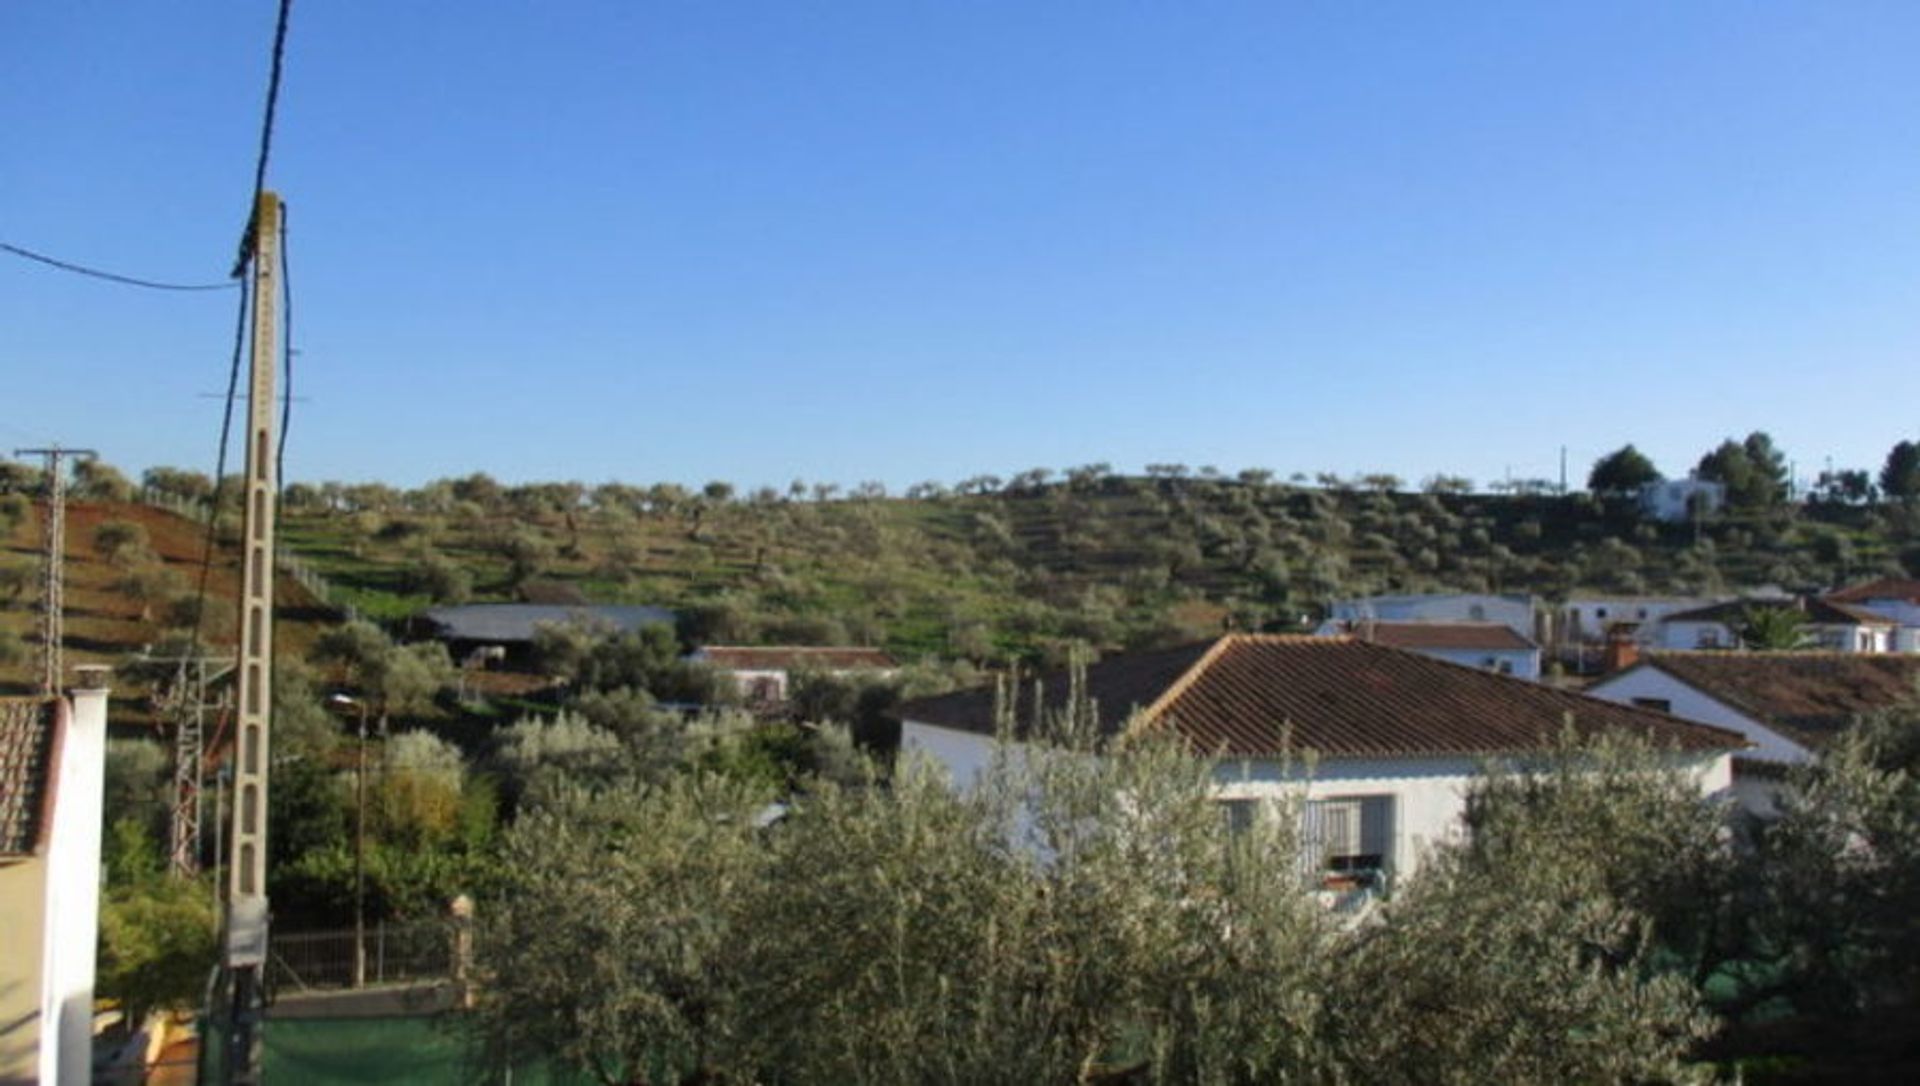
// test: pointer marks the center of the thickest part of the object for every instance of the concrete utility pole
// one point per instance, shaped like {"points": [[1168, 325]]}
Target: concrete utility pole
{"points": [[246, 919], [53, 592]]}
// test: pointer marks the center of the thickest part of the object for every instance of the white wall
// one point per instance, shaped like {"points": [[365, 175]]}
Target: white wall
{"points": [[73, 895], [1515, 614], [1521, 663], [1648, 681], [1428, 794], [1586, 621]]}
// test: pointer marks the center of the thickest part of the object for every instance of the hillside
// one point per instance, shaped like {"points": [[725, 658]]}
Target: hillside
{"points": [[118, 606], [1031, 566]]}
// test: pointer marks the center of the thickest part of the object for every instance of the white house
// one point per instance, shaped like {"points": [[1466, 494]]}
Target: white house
{"points": [[1678, 500], [52, 765], [1895, 598], [1787, 704], [762, 673], [1834, 627], [1587, 619], [1515, 612], [1493, 646], [1381, 744]]}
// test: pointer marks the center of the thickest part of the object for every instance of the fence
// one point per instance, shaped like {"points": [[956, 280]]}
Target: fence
{"points": [[291, 564], [395, 952]]}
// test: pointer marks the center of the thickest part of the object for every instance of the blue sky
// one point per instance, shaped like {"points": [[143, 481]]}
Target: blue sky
{"points": [[907, 241]]}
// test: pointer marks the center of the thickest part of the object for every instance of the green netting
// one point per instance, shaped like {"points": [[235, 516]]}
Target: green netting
{"points": [[379, 1050]]}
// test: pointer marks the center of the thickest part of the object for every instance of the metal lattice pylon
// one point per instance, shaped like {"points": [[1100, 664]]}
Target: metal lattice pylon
{"points": [[53, 544]]}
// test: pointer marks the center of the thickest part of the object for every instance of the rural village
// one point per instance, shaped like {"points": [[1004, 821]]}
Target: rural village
{"points": [[353, 761]]}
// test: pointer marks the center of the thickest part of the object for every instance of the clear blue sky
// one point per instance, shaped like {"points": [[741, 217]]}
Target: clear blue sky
{"points": [[902, 241]]}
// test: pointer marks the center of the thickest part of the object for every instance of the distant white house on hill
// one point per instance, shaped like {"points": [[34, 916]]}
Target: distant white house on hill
{"points": [[1394, 739], [763, 673], [1678, 500]]}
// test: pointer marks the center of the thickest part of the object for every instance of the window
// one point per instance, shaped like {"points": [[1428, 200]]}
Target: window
{"points": [[1238, 814], [1350, 834], [1708, 638], [1661, 704], [1599, 612], [1477, 613]]}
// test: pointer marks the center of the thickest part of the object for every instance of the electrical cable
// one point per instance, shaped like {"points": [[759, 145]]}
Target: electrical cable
{"points": [[266, 137], [111, 277], [220, 464]]}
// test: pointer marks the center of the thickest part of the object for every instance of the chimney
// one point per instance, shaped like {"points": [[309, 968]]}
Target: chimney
{"points": [[1621, 653]]}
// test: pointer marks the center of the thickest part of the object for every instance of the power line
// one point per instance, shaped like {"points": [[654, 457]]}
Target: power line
{"points": [[266, 137], [220, 465], [111, 277]]}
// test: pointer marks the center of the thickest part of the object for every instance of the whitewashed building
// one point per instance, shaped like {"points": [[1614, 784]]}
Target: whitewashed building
{"points": [[1893, 598], [1678, 500], [1588, 619], [1381, 744], [52, 767], [1514, 612], [763, 673], [1490, 646], [1789, 705], [1834, 627]]}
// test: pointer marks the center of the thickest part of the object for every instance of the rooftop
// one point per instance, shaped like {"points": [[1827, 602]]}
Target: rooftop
{"points": [[1822, 612], [1250, 695], [1488, 636], [27, 730], [515, 622], [1885, 588], [1807, 695]]}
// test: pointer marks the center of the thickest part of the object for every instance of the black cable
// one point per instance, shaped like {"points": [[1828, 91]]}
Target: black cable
{"points": [[266, 137], [111, 277], [220, 463]]}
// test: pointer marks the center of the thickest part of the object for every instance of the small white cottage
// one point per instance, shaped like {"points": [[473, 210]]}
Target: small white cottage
{"points": [[1382, 744], [1789, 705]]}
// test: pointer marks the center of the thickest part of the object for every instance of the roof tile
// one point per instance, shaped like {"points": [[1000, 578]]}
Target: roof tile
{"points": [[1262, 695]]}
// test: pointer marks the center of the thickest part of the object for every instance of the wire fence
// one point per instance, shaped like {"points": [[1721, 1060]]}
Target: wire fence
{"points": [[307, 961], [288, 562]]}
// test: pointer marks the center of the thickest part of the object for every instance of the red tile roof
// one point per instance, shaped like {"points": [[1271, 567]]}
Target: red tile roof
{"points": [[29, 728], [1809, 696], [795, 658], [1249, 695], [1818, 611], [1488, 636], [1886, 588]]}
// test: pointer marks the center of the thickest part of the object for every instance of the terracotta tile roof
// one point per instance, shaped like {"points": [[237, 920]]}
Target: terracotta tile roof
{"points": [[794, 657], [1248, 695], [1809, 696], [28, 728], [1886, 588], [1818, 611], [1490, 636]]}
